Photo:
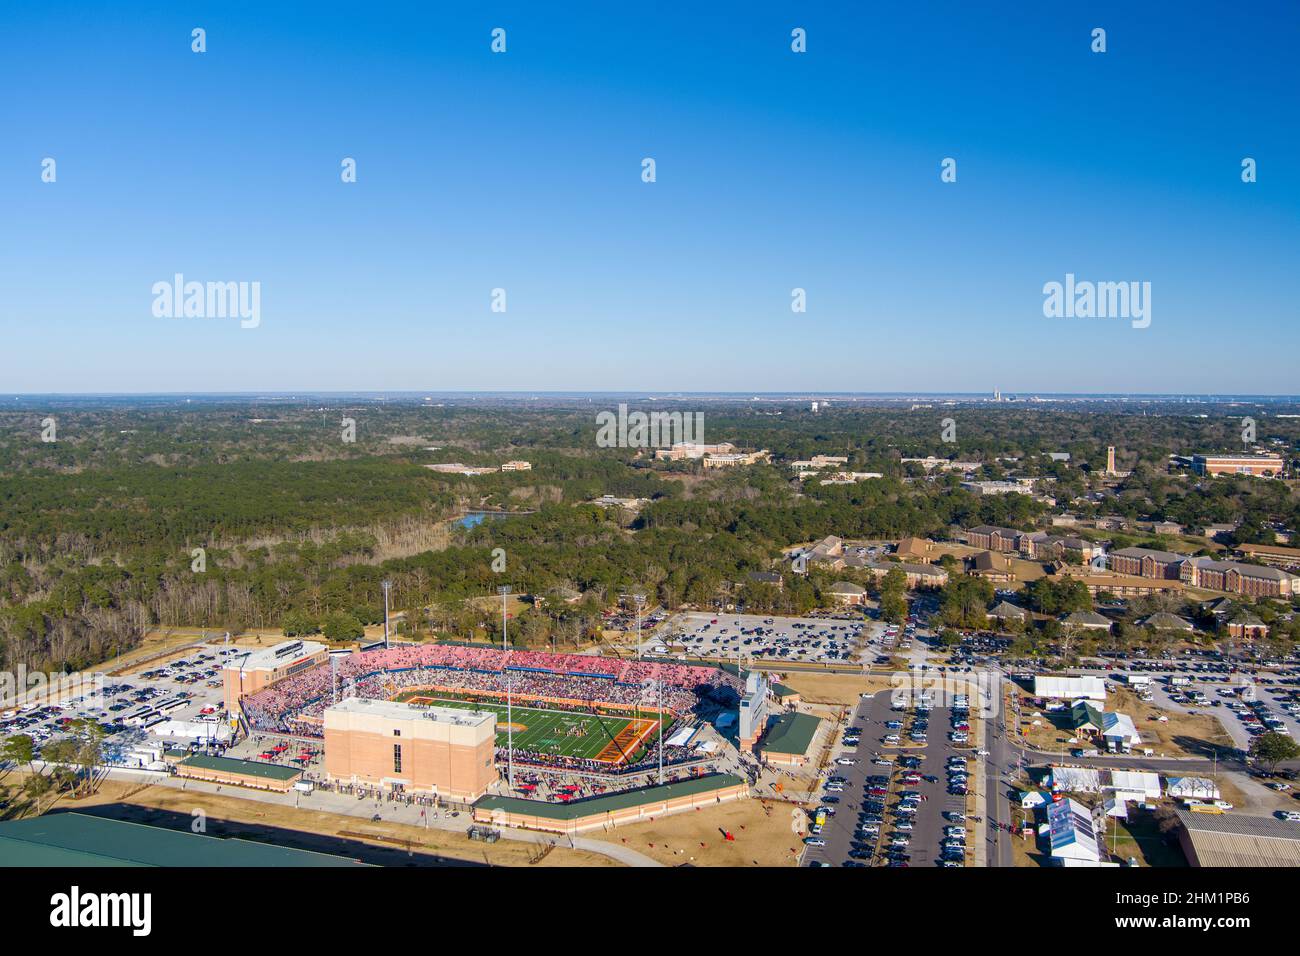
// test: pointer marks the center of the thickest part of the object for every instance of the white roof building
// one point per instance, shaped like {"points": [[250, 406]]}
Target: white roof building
{"points": [[1119, 730], [1073, 833], [1069, 688]]}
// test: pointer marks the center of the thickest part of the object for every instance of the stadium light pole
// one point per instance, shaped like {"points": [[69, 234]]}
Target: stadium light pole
{"points": [[639, 599], [510, 723], [387, 586], [661, 730]]}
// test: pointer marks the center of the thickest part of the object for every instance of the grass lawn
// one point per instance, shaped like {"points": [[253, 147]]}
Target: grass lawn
{"points": [[1138, 836], [1181, 735], [1193, 735]]}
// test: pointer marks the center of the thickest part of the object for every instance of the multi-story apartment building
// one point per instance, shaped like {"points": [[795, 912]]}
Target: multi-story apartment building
{"points": [[1238, 578], [1146, 563], [1233, 577], [992, 566], [692, 450], [993, 538], [734, 459], [917, 575], [1036, 546], [818, 462]]}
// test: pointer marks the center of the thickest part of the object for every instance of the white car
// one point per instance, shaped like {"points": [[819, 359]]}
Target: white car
{"points": [[845, 761], [1291, 815]]}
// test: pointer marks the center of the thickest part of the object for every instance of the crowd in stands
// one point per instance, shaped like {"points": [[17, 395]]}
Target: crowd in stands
{"points": [[646, 761], [295, 704]]}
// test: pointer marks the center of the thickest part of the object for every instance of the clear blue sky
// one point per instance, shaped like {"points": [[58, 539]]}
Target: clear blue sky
{"points": [[775, 170]]}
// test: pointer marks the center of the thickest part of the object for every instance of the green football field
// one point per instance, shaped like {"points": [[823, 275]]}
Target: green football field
{"points": [[558, 732]]}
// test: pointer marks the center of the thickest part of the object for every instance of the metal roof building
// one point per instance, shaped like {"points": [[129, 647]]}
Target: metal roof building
{"points": [[1072, 832], [81, 840], [1234, 839], [789, 738]]}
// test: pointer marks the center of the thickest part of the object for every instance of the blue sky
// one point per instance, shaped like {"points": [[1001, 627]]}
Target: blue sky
{"points": [[775, 171]]}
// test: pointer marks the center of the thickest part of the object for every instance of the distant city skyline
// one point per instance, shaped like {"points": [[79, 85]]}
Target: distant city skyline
{"points": [[776, 171]]}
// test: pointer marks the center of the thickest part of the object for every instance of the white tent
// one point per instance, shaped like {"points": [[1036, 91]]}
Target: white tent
{"points": [[1076, 779], [1135, 784], [1069, 688], [681, 738], [192, 730], [1197, 788]]}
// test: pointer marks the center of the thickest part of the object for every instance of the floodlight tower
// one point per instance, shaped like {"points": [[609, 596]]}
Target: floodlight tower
{"points": [[387, 586], [510, 724], [639, 599], [661, 730]]}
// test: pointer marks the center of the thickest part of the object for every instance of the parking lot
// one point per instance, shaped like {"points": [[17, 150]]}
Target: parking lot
{"points": [[187, 689], [899, 802], [822, 640], [1246, 708]]}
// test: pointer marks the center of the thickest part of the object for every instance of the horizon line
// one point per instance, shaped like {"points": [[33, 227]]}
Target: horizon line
{"points": [[1005, 398]]}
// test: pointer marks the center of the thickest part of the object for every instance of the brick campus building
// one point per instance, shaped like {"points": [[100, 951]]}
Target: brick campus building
{"points": [[1261, 466], [1231, 576], [411, 747]]}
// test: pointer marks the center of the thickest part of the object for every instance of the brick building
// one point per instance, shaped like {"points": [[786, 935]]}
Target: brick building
{"points": [[248, 672], [409, 747]]}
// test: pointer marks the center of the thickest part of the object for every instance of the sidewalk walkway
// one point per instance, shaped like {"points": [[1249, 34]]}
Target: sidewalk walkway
{"points": [[364, 809]]}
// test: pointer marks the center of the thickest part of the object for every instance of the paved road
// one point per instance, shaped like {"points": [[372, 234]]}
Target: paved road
{"points": [[1000, 766]]}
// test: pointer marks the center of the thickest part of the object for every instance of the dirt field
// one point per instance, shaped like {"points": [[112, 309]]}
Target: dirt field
{"points": [[314, 829], [763, 837], [1184, 735], [841, 689]]}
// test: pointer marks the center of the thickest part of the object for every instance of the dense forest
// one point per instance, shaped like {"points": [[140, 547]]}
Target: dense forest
{"points": [[262, 513]]}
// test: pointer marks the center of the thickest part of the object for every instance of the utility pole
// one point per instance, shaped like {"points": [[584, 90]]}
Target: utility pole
{"points": [[510, 723], [387, 586]]}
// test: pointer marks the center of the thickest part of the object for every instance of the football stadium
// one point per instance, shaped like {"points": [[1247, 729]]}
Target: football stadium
{"points": [[566, 711]]}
